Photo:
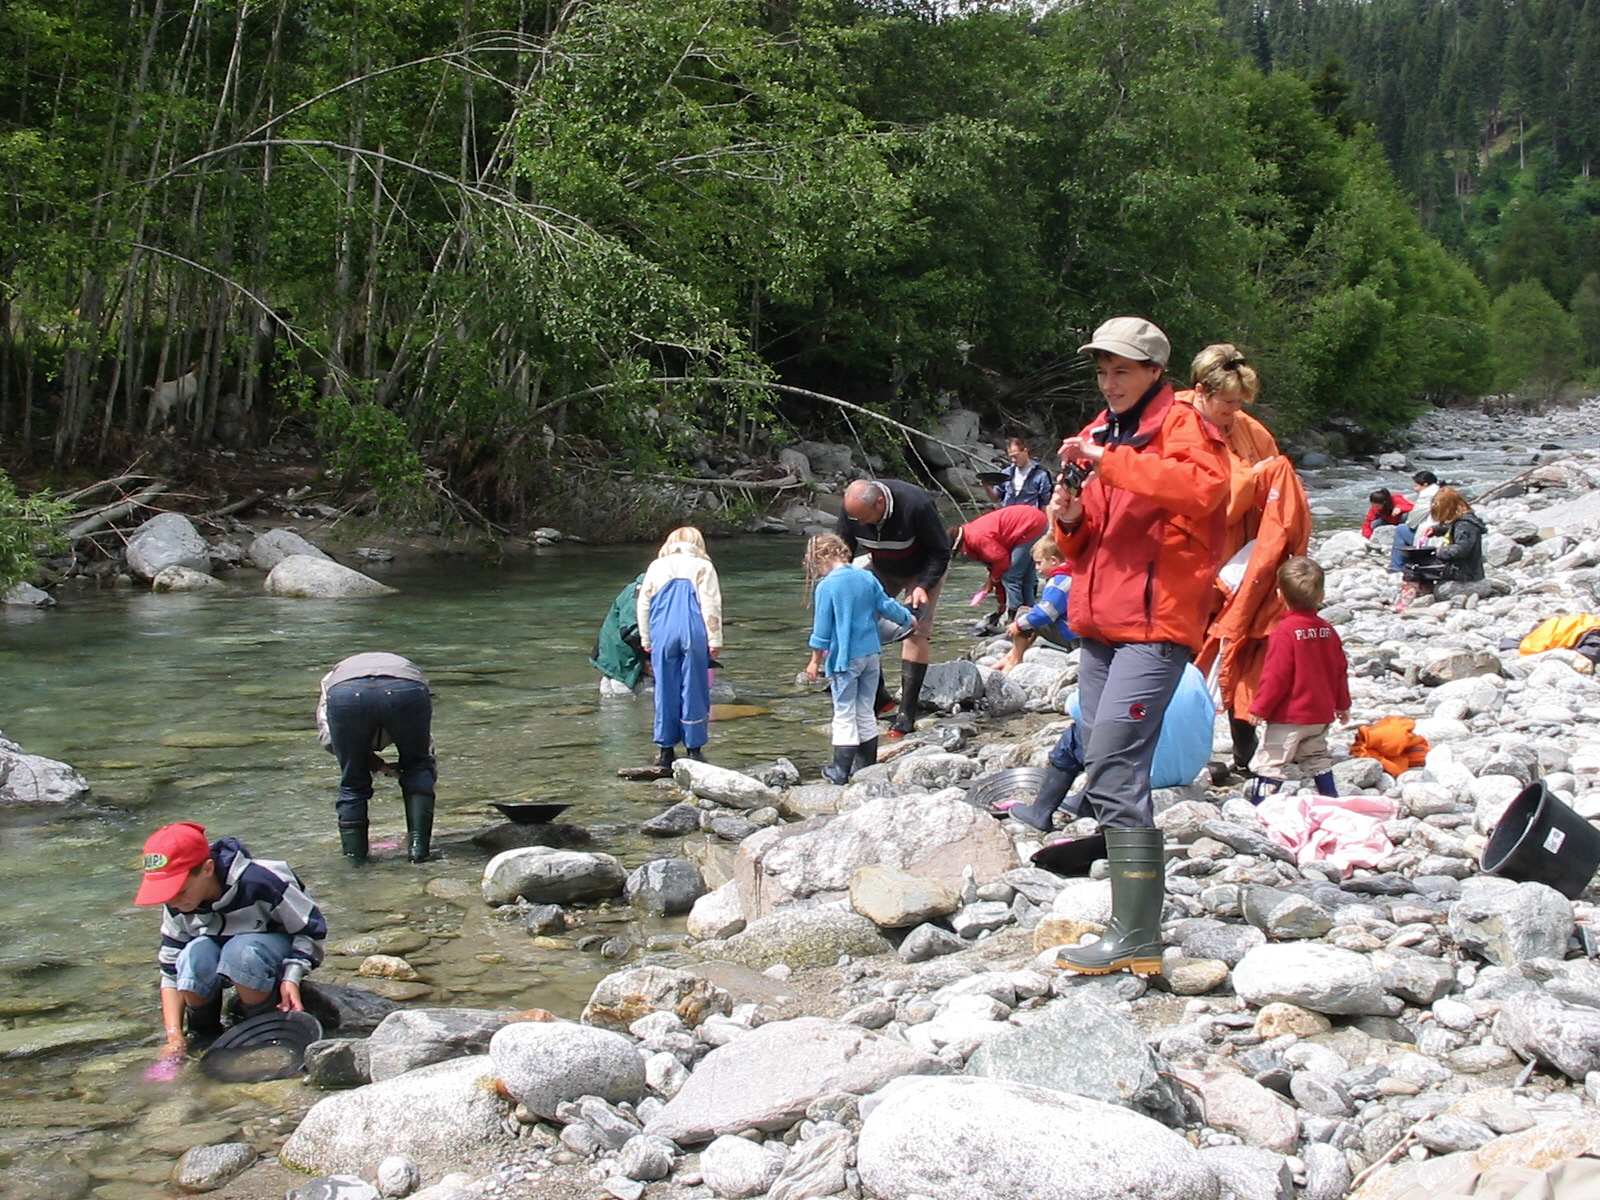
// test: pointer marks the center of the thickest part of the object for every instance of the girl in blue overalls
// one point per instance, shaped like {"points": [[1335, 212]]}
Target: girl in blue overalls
{"points": [[680, 627]]}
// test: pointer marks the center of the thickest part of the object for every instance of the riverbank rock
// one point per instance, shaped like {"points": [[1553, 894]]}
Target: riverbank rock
{"points": [[33, 779], [1077, 1045], [176, 578], [737, 1168], [621, 999], [414, 1037], [935, 836], [666, 886], [303, 577], [205, 1168], [1322, 978], [269, 549], [961, 1139], [800, 937], [733, 789], [23, 594], [542, 875], [1508, 923], [1545, 1030], [545, 1064], [895, 899], [442, 1117], [767, 1078], [166, 540]]}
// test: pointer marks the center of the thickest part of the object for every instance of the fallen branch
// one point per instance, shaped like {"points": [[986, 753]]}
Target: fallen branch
{"points": [[746, 485], [227, 510], [117, 481], [101, 517]]}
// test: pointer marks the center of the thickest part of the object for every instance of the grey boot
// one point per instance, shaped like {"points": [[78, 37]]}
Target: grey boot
{"points": [[1132, 941], [1038, 813], [419, 825]]}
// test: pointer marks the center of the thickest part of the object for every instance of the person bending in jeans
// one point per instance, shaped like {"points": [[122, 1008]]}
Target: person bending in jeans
{"points": [[368, 702], [227, 918]]}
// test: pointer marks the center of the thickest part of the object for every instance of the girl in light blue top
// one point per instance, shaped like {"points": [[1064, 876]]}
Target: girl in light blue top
{"points": [[845, 640]]}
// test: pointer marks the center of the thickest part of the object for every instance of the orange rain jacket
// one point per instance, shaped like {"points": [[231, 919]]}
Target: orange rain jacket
{"points": [[1150, 541], [1249, 442]]}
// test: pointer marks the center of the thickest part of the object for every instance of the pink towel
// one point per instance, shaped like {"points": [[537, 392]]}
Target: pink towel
{"points": [[1346, 831]]}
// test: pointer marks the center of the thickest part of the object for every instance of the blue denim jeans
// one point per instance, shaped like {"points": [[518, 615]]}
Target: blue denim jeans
{"points": [[358, 710], [1021, 580], [853, 690], [1404, 538], [252, 960]]}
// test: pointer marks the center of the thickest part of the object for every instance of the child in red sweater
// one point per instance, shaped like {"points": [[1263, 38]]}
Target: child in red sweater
{"points": [[1304, 686]]}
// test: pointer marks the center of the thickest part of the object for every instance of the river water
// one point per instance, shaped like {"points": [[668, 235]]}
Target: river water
{"points": [[182, 707]]}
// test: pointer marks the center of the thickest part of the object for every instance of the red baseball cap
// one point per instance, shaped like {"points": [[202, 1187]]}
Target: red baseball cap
{"points": [[170, 853]]}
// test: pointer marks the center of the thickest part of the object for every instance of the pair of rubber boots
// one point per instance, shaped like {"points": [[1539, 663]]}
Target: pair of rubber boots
{"points": [[204, 1021], [847, 760], [419, 831], [669, 755]]}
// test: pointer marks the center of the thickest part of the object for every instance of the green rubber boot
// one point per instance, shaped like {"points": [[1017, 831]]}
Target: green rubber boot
{"points": [[353, 841], [419, 825], [1132, 942]]}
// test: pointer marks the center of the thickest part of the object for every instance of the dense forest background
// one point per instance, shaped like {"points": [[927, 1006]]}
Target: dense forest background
{"points": [[494, 237]]}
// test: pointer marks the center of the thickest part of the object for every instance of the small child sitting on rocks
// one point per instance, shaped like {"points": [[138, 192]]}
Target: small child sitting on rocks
{"points": [[1304, 685]]}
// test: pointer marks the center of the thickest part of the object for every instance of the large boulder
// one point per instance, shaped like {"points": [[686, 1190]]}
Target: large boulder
{"points": [[621, 999], [31, 779], [1312, 975], [544, 1064], [983, 1139], [933, 836], [1078, 1045], [414, 1037], [734, 789], [272, 547], [666, 886], [952, 685], [176, 578], [542, 875], [896, 899], [767, 1078], [800, 937], [1508, 923], [165, 540], [306, 578], [1546, 1030], [443, 1117]]}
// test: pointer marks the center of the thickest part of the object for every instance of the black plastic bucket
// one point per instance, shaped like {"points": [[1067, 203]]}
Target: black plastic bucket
{"points": [[1541, 840]]}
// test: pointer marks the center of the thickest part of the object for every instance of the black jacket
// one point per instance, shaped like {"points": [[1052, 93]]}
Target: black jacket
{"points": [[910, 544], [1457, 560]]}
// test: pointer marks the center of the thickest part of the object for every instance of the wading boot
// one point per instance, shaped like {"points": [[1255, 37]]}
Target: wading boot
{"points": [[882, 702], [1260, 788], [1040, 811], [1326, 785], [695, 753], [838, 771], [419, 825], [1132, 942], [353, 841], [911, 676], [866, 755], [205, 1021], [244, 1012]]}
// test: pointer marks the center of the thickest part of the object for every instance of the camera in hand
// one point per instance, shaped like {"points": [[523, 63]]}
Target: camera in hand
{"points": [[1073, 476]]}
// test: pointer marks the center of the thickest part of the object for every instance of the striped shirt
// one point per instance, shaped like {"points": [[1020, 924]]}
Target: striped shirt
{"points": [[258, 896]]}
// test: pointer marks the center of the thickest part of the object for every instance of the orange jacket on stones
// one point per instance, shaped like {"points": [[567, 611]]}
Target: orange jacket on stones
{"points": [[1151, 537]]}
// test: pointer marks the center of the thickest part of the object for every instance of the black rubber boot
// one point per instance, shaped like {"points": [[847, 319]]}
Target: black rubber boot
{"points": [[911, 677], [353, 841], [1326, 785], [1246, 738], [883, 702], [1260, 788], [866, 754], [839, 770], [419, 825], [1132, 942], [245, 1012], [1039, 813], [666, 758], [695, 754], [204, 1021]]}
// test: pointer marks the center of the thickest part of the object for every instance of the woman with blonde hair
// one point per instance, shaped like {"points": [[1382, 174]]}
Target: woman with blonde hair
{"points": [[680, 628]]}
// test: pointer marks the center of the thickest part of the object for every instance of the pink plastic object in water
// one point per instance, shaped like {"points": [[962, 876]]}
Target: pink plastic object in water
{"points": [[978, 598], [164, 1069]]}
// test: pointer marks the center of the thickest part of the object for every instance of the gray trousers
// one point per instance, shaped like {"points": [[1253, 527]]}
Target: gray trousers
{"points": [[1124, 691]]}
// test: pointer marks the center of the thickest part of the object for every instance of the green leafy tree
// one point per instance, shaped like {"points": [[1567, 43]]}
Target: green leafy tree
{"points": [[1586, 318], [30, 528], [1536, 345]]}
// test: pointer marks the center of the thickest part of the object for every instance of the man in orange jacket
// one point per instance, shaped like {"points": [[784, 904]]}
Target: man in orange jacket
{"points": [[1145, 536]]}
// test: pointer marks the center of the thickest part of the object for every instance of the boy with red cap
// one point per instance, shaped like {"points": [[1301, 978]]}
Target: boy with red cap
{"points": [[228, 918]]}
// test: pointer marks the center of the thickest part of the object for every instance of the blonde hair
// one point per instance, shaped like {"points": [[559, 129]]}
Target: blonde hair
{"points": [[823, 552], [1221, 368], [1301, 582], [1045, 551], [684, 535], [1449, 505]]}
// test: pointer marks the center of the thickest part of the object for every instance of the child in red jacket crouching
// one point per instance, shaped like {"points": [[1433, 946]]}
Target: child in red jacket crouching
{"points": [[1304, 686]]}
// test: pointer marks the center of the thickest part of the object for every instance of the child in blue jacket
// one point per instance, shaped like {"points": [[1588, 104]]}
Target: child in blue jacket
{"points": [[844, 635]]}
